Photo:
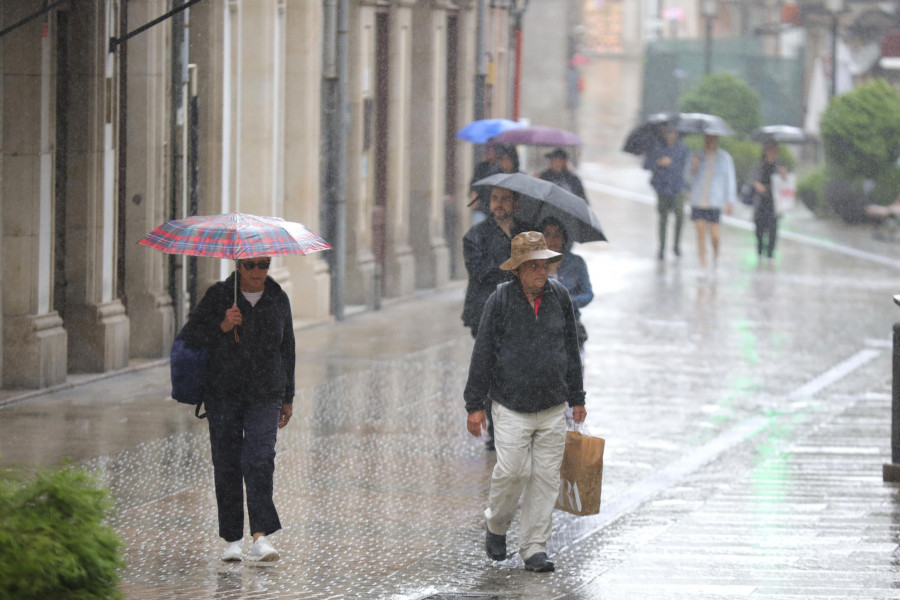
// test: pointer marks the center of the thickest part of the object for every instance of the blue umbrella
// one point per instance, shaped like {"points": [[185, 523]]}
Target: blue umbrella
{"points": [[481, 131]]}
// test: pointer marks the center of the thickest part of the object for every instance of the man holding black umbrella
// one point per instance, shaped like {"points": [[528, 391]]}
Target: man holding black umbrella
{"points": [[485, 248]]}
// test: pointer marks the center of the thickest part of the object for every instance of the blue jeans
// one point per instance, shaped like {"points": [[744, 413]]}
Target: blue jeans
{"points": [[242, 438]]}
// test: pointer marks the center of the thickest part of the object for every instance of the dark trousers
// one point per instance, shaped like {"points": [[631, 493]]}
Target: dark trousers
{"points": [[766, 232], [664, 205], [242, 438]]}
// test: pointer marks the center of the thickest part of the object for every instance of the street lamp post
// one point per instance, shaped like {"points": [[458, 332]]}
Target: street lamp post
{"points": [[835, 7], [708, 8]]}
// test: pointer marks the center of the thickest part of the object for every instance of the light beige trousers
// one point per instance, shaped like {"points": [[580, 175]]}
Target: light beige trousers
{"points": [[530, 450]]}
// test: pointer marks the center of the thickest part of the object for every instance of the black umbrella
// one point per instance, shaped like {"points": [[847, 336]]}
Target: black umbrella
{"points": [[539, 199], [648, 134], [783, 134]]}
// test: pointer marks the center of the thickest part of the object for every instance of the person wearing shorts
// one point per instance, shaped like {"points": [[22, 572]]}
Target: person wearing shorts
{"points": [[713, 189]]}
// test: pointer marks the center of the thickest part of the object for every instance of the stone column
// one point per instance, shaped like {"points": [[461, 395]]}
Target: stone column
{"points": [[95, 318], [150, 308], [34, 342], [399, 264], [426, 161], [465, 86], [303, 69], [360, 283]]}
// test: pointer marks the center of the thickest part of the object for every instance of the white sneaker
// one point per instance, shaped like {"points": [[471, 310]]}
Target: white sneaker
{"points": [[262, 550], [233, 552]]}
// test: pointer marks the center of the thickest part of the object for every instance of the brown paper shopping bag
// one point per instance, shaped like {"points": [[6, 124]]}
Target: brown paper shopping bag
{"points": [[581, 475]]}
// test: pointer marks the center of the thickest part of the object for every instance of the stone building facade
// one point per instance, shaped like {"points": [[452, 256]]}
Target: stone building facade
{"points": [[93, 155]]}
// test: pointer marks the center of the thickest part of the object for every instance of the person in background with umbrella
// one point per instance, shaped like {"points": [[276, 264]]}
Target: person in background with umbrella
{"points": [[559, 173], [713, 189], [508, 159], [249, 396], [480, 199], [759, 189], [667, 162], [571, 271], [485, 247]]}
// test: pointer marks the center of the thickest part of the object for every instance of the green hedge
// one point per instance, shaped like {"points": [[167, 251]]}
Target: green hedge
{"points": [[811, 191], [53, 543], [861, 131], [728, 97]]}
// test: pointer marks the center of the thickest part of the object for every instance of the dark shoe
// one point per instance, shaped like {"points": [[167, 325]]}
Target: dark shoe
{"points": [[539, 564], [676, 251], [494, 544]]}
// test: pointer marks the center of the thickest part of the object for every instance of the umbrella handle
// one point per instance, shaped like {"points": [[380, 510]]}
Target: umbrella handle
{"points": [[237, 338]]}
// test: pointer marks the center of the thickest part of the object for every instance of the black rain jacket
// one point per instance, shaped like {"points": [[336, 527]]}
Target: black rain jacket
{"points": [[259, 368], [485, 248], [526, 362]]}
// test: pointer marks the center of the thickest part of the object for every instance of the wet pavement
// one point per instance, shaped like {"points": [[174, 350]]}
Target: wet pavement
{"points": [[746, 413], [747, 418]]}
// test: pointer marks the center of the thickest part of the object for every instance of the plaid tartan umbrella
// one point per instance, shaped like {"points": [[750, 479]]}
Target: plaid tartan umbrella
{"points": [[233, 236]]}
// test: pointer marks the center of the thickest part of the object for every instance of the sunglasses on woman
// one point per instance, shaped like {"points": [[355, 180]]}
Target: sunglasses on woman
{"points": [[262, 264]]}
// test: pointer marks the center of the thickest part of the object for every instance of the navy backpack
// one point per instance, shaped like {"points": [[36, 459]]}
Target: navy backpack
{"points": [[187, 365]]}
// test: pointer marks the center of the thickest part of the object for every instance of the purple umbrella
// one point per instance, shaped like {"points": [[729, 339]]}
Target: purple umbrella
{"points": [[539, 135]]}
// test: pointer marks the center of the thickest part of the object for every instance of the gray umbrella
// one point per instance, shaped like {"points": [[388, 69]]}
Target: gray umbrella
{"points": [[783, 134], [703, 124], [539, 199]]}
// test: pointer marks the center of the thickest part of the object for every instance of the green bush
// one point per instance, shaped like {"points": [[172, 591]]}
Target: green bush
{"points": [[887, 187], [53, 543], [811, 191], [728, 97], [861, 131]]}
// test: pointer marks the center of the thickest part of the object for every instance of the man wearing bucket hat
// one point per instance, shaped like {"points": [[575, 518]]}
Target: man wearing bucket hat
{"points": [[526, 359], [559, 173]]}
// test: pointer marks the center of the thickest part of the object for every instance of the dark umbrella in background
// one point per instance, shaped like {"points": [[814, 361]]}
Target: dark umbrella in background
{"points": [[782, 134], [539, 199], [539, 135], [648, 134], [703, 124]]}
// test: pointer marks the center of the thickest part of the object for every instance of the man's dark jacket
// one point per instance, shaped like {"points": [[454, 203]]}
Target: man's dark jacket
{"points": [[485, 248], [259, 368], [567, 180], [526, 362]]}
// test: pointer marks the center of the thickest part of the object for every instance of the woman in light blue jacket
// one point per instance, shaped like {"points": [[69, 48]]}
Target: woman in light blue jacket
{"points": [[713, 189]]}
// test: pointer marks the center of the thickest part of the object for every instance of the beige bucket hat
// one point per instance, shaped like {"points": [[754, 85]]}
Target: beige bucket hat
{"points": [[529, 245]]}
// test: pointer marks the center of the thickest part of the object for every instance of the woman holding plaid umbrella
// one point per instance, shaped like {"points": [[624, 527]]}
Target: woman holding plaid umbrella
{"points": [[249, 396]]}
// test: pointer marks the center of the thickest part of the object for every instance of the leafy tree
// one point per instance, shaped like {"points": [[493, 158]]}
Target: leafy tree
{"points": [[53, 543], [726, 96], [861, 131]]}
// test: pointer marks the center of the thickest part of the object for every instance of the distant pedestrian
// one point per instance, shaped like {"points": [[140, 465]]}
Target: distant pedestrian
{"points": [[668, 162], [713, 189], [485, 248], [249, 396], [765, 213], [571, 271], [480, 199], [558, 172], [508, 159], [526, 359]]}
